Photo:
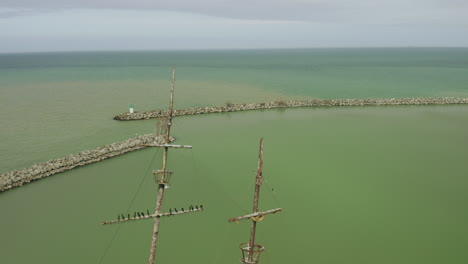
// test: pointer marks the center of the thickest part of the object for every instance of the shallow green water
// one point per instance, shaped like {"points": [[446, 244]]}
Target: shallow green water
{"points": [[358, 185]]}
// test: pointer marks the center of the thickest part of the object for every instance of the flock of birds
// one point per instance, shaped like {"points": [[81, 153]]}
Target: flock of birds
{"points": [[142, 214]]}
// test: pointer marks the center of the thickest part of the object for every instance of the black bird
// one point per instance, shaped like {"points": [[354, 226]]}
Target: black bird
{"points": [[170, 211], [123, 216], [196, 206], [175, 209], [128, 215], [182, 209], [142, 214], [201, 206], [138, 214], [147, 211]]}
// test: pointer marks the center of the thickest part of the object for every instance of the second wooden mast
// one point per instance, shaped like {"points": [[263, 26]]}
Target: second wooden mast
{"points": [[251, 251]]}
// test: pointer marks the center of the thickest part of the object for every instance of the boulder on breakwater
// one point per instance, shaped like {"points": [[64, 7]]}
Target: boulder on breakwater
{"points": [[19, 177], [292, 103]]}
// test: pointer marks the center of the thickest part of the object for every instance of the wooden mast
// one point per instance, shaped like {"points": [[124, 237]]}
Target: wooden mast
{"points": [[161, 186], [255, 216], [162, 178]]}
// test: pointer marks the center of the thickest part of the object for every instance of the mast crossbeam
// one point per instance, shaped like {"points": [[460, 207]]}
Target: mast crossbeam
{"points": [[167, 146], [257, 214], [151, 216]]}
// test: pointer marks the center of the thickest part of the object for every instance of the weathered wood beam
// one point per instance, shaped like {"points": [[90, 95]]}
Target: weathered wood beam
{"points": [[150, 216], [248, 216], [167, 146]]}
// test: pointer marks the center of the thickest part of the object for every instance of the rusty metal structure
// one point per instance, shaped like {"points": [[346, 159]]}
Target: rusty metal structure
{"points": [[162, 178], [251, 251]]}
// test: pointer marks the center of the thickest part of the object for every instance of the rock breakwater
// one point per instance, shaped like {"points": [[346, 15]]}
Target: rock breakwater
{"points": [[19, 177], [292, 103]]}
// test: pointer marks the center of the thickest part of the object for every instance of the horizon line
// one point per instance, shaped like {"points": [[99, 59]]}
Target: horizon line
{"points": [[231, 49]]}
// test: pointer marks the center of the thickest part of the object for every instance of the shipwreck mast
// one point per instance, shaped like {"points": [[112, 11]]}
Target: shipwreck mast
{"points": [[251, 251], [162, 178]]}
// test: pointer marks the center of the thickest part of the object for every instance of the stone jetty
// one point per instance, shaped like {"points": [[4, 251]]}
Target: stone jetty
{"points": [[19, 177], [292, 103]]}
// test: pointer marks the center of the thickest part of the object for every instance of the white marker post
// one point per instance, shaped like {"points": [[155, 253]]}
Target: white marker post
{"points": [[131, 109]]}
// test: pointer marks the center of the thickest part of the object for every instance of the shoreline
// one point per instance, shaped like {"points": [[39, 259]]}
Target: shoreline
{"points": [[145, 115]]}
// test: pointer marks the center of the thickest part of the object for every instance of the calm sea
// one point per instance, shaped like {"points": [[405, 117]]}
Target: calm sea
{"points": [[357, 185]]}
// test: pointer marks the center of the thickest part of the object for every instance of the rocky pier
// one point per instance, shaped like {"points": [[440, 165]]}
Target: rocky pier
{"points": [[292, 103], [38, 171]]}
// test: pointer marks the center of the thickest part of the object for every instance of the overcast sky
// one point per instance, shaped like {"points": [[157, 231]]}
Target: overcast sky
{"points": [[68, 25]]}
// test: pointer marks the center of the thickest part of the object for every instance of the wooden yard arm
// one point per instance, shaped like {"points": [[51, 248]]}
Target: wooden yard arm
{"points": [[151, 216], [257, 214], [167, 146]]}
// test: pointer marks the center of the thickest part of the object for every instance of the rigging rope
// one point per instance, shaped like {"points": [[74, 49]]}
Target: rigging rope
{"points": [[278, 204], [130, 205], [219, 187], [109, 244], [143, 179]]}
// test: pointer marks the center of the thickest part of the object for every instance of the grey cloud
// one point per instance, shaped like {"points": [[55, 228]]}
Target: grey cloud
{"points": [[14, 12], [386, 11], [254, 9]]}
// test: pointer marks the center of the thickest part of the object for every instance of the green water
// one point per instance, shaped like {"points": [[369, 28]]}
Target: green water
{"points": [[357, 185]]}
